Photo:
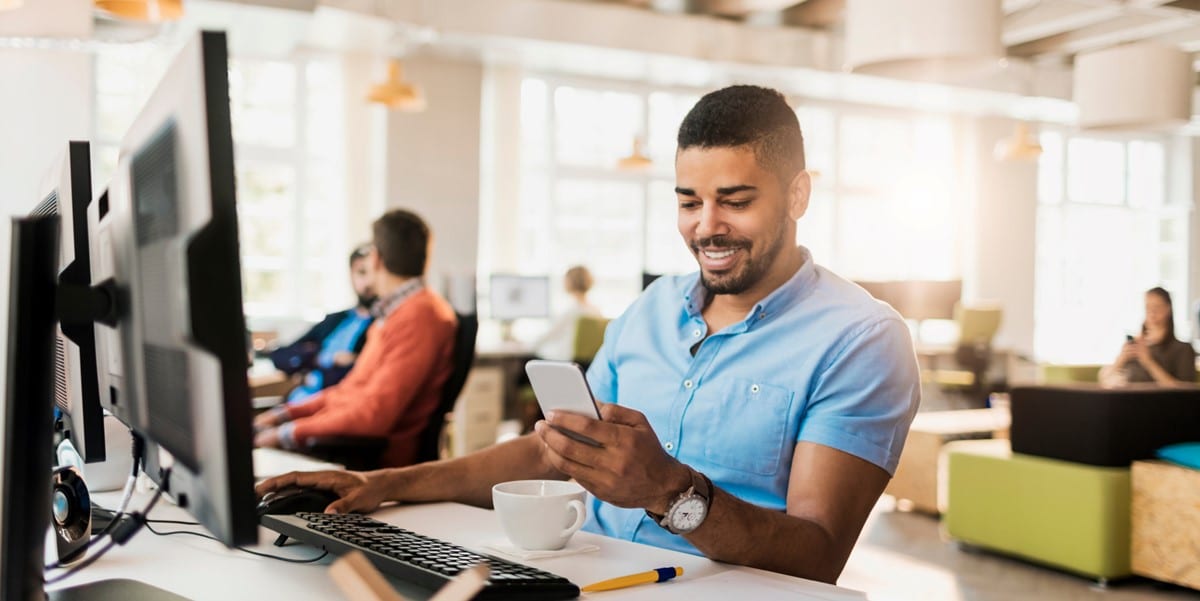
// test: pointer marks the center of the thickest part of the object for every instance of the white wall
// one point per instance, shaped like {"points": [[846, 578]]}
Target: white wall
{"points": [[433, 162], [46, 101], [999, 252]]}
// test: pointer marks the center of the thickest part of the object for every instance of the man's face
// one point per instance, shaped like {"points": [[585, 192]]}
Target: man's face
{"points": [[735, 216], [362, 279]]}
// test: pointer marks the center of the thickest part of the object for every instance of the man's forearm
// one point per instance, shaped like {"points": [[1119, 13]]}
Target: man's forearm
{"points": [[741, 533], [469, 479]]}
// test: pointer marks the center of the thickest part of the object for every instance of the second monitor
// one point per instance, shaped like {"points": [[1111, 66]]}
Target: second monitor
{"points": [[519, 296]]}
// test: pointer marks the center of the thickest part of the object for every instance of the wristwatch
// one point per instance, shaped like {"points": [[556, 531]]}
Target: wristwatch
{"points": [[689, 509]]}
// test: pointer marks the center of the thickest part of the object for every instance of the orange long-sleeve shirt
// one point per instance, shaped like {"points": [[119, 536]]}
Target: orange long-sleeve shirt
{"points": [[395, 384]]}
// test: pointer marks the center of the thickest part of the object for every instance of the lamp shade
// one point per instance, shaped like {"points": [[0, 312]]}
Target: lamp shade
{"points": [[637, 159], [396, 93], [142, 10], [923, 39], [1136, 86], [1020, 146]]}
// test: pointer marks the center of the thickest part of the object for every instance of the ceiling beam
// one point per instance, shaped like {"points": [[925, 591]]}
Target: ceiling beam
{"points": [[1130, 27], [738, 8], [1046, 19]]}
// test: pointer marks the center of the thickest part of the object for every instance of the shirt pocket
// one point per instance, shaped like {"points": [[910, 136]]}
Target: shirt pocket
{"points": [[745, 425]]}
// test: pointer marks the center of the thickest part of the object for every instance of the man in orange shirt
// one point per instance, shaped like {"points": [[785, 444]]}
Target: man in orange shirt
{"points": [[395, 385]]}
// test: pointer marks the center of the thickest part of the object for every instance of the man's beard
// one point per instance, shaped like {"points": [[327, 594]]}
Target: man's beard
{"points": [[365, 301], [751, 270]]}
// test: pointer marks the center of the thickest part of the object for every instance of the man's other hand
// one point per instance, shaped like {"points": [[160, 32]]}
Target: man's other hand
{"points": [[360, 492]]}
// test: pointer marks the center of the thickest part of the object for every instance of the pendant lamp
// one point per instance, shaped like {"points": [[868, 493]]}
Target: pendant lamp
{"points": [[923, 39], [397, 94], [637, 159], [142, 10], [1144, 85]]}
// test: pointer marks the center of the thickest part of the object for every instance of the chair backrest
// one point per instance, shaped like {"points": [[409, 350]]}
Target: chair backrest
{"points": [[462, 359], [977, 325], [589, 335]]}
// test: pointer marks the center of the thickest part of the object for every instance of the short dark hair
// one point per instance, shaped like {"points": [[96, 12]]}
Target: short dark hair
{"points": [[747, 115], [360, 252], [402, 240]]}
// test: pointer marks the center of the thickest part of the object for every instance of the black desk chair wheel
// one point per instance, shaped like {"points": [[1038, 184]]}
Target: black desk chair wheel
{"points": [[364, 452]]}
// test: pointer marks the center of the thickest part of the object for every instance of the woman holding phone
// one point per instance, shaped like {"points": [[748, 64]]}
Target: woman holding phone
{"points": [[1155, 355]]}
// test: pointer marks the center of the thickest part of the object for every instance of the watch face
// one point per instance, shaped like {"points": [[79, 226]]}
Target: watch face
{"points": [[688, 514]]}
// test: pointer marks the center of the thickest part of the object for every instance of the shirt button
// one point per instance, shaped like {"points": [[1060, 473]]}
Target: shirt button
{"points": [[762, 315], [696, 333], [687, 383], [669, 446], [754, 388]]}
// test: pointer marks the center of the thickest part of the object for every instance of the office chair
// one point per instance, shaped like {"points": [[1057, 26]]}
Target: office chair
{"points": [[589, 335], [973, 352], [364, 452]]}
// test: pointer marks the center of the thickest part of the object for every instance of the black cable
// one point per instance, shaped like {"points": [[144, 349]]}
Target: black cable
{"points": [[121, 536], [137, 447], [213, 538]]}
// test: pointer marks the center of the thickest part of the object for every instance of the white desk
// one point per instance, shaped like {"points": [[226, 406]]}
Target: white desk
{"points": [[203, 570]]}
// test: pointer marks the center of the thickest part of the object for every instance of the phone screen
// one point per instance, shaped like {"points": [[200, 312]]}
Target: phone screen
{"points": [[561, 386]]}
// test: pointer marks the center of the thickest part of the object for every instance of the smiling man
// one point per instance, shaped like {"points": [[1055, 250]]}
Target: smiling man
{"points": [[755, 409]]}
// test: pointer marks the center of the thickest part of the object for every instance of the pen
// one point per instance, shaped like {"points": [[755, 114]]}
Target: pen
{"points": [[657, 575]]}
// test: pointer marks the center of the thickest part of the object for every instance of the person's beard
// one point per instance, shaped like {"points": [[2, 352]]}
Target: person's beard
{"points": [[751, 269], [367, 300]]}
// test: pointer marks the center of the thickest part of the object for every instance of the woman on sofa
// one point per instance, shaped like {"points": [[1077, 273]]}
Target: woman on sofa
{"points": [[1156, 355]]}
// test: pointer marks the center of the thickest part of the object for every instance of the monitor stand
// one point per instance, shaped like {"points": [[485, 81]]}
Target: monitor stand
{"points": [[119, 588], [506, 333]]}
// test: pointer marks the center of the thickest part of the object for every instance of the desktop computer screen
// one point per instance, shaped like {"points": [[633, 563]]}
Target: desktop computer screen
{"points": [[25, 441], [174, 362], [519, 296], [165, 299], [67, 193]]}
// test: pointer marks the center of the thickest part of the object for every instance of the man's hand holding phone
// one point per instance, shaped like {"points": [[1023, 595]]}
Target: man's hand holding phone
{"points": [[610, 450]]}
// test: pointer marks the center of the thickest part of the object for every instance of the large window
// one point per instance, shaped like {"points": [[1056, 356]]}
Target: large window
{"points": [[881, 206], [288, 148], [1107, 232], [577, 207]]}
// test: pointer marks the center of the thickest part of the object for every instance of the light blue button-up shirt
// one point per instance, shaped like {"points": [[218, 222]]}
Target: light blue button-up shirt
{"points": [[817, 360]]}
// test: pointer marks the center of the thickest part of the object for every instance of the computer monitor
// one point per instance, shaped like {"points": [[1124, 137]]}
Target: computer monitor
{"points": [[25, 452], [67, 193], [519, 296], [173, 364]]}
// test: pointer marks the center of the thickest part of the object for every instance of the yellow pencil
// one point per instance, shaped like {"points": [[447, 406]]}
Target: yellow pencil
{"points": [[656, 575]]}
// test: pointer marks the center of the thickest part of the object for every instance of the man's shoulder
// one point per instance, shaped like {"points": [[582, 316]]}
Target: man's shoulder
{"points": [[845, 300], [424, 306]]}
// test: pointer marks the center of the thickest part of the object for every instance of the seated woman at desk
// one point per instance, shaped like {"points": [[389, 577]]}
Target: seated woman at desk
{"points": [[1156, 355], [559, 341]]}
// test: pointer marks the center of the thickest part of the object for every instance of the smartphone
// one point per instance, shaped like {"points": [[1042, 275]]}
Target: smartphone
{"points": [[561, 386]]}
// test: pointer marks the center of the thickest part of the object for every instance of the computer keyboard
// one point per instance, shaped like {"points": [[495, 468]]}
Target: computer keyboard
{"points": [[419, 559]]}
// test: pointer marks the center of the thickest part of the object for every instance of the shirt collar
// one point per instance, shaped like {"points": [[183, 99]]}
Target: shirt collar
{"points": [[789, 292], [388, 304]]}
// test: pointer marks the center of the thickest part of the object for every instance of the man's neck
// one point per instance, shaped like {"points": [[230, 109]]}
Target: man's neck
{"points": [[387, 283], [724, 309]]}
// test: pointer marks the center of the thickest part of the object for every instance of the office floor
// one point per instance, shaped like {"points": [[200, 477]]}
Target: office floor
{"points": [[902, 556]]}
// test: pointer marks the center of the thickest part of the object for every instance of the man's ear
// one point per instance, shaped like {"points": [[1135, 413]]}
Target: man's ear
{"points": [[798, 192]]}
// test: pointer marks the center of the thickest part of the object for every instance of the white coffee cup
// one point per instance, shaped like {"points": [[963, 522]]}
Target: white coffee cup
{"points": [[539, 514]]}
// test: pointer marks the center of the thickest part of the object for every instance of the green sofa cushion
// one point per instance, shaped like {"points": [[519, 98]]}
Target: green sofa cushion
{"points": [[1067, 515]]}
